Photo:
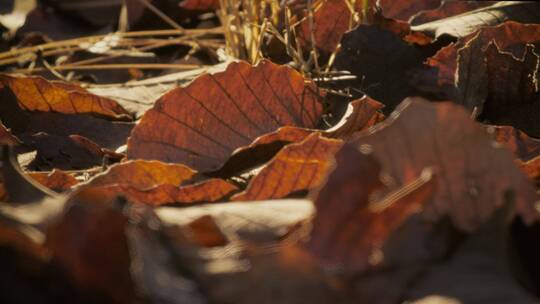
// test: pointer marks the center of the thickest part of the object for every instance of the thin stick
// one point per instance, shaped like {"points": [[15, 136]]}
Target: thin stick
{"points": [[77, 41], [142, 66]]}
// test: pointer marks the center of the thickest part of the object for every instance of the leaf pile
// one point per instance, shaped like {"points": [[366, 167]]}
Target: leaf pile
{"points": [[355, 152]]}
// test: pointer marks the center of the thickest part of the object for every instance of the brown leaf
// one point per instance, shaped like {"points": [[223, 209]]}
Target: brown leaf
{"points": [[523, 146], [202, 124], [156, 183], [211, 190], [474, 177], [143, 174], [360, 114], [56, 180], [39, 94], [468, 23], [300, 166], [513, 97], [25, 124], [330, 21], [509, 36], [351, 225]]}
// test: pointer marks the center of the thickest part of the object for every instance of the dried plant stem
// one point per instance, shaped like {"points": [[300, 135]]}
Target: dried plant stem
{"points": [[96, 38], [142, 66]]}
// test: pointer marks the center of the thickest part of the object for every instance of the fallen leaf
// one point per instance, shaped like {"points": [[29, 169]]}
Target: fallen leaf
{"points": [[39, 94], [143, 174], [211, 190], [24, 124], [360, 114], [156, 183], [299, 166], [509, 36], [202, 124], [350, 226], [468, 23], [443, 137], [513, 97], [523, 146], [56, 180]]}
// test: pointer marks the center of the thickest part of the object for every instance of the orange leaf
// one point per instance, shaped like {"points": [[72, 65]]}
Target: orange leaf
{"points": [[143, 174], [38, 94], [156, 183], [360, 114], [300, 166], [56, 180], [202, 124]]}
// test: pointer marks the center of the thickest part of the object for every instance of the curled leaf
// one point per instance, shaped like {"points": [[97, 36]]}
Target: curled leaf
{"points": [[300, 166]]}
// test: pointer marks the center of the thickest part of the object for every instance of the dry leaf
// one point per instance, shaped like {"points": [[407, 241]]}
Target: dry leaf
{"points": [[202, 124], [474, 177], [300, 166], [55, 180], [39, 94]]}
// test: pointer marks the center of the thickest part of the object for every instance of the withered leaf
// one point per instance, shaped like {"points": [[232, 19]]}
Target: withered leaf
{"points": [[56, 180], [330, 21], [211, 190], [523, 146], [24, 124], [38, 94], [509, 36], [297, 167], [467, 23], [474, 177], [351, 225], [202, 124], [143, 174], [156, 183], [513, 95], [360, 114]]}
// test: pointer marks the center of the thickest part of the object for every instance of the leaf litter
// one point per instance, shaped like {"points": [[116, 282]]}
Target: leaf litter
{"points": [[243, 151]]}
